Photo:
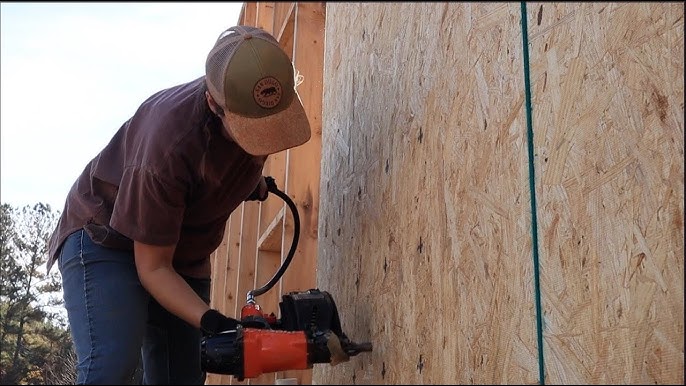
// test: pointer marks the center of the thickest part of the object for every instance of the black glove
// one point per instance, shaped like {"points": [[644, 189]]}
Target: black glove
{"points": [[261, 191], [214, 322]]}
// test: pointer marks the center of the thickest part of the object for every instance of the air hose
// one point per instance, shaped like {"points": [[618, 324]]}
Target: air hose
{"points": [[272, 188]]}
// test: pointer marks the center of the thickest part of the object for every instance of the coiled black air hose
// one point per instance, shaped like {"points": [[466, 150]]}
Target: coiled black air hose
{"points": [[271, 187]]}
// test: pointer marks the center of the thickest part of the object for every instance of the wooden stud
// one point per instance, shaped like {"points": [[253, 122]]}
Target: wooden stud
{"points": [[283, 11]]}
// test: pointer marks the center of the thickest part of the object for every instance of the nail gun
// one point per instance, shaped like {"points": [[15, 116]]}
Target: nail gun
{"points": [[308, 331]]}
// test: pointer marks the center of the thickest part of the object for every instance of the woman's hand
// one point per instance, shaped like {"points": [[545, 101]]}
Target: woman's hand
{"points": [[261, 192]]}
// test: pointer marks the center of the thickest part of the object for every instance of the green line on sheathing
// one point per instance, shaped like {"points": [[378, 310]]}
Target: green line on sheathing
{"points": [[532, 188]]}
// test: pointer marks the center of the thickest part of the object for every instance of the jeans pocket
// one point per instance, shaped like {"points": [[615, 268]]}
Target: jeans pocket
{"points": [[72, 248], [108, 237]]}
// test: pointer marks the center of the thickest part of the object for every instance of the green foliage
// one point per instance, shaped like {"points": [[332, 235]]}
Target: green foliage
{"points": [[36, 346]]}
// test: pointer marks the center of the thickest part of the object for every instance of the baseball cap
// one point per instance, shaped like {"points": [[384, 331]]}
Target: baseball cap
{"points": [[252, 79]]}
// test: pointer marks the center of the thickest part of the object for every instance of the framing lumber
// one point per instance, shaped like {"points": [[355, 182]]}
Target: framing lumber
{"points": [[259, 234]]}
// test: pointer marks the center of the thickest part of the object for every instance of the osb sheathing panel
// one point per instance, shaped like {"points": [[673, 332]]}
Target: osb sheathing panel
{"points": [[424, 235], [608, 103], [425, 225]]}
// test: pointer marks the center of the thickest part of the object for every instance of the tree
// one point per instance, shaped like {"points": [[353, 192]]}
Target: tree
{"points": [[32, 336]]}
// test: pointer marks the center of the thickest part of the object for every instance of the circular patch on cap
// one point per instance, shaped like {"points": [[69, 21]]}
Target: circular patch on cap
{"points": [[267, 92]]}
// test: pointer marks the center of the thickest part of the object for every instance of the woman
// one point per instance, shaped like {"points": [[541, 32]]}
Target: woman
{"points": [[140, 222]]}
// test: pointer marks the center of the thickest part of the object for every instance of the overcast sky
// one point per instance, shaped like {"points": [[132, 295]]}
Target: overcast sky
{"points": [[72, 73]]}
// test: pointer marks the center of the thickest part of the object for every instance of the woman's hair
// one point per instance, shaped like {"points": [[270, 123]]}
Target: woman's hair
{"points": [[208, 122]]}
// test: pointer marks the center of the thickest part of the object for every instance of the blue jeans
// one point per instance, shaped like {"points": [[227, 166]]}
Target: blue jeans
{"points": [[115, 323]]}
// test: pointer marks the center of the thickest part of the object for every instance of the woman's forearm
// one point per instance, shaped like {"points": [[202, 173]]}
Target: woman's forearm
{"points": [[173, 293], [158, 277]]}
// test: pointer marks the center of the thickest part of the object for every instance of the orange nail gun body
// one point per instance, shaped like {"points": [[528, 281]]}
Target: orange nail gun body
{"points": [[309, 332]]}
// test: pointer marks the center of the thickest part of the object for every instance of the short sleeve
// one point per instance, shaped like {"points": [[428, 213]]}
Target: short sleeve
{"points": [[148, 208]]}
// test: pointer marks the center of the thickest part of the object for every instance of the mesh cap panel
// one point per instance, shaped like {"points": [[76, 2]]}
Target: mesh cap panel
{"points": [[221, 54]]}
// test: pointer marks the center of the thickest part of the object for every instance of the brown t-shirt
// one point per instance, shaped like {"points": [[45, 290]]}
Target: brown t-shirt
{"points": [[168, 176]]}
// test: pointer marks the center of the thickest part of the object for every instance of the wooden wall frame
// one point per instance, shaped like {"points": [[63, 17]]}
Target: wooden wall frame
{"points": [[259, 234]]}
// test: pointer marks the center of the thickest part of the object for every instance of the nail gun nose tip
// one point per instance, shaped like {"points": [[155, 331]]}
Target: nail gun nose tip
{"points": [[359, 348]]}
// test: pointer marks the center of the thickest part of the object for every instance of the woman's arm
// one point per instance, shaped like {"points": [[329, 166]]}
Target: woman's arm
{"points": [[156, 273]]}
